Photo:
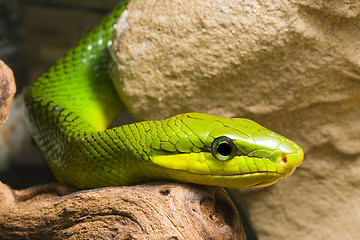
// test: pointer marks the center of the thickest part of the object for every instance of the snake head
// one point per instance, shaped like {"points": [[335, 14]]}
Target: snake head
{"points": [[234, 153]]}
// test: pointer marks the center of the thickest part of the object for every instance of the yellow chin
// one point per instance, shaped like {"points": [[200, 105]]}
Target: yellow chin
{"points": [[239, 172]]}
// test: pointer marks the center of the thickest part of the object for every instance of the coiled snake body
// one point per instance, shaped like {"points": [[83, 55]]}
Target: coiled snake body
{"points": [[71, 105]]}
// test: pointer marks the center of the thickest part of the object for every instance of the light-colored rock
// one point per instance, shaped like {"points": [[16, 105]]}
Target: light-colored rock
{"points": [[150, 211], [14, 135], [293, 66], [7, 91]]}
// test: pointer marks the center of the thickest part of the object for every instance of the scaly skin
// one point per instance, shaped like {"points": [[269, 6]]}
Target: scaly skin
{"points": [[71, 105]]}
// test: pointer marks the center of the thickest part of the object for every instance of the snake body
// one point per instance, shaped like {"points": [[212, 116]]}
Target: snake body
{"points": [[70, 107]]}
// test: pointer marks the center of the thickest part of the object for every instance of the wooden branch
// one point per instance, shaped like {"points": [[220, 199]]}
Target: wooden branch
{"points": [[149, 211], [7, 91]]}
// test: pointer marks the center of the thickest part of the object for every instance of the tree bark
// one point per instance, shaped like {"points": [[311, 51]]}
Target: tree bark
{"points": [[148, 211]]}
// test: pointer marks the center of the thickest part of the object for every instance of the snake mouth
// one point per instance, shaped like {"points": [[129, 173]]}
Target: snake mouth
{"points": [[258, 179], [243, 180], [235, 175]]}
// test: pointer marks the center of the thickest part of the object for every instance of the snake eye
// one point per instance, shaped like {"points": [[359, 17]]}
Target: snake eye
{"points": [[223, 149]]}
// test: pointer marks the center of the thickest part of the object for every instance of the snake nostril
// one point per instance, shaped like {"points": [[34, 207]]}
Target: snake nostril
{"points": [[164, 192], [284, 158]]}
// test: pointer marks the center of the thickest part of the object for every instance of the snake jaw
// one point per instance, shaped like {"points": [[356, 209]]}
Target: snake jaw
{"points": [[240, 172]]}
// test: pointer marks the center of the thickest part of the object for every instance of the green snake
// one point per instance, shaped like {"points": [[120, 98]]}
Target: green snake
{"points": [[70, 107]]}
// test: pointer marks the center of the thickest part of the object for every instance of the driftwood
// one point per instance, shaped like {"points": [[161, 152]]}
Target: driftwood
{"points": [[7, 91], [149, 211]]}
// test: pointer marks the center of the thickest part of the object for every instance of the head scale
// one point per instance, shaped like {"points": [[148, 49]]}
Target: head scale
{"points": [[235, 153]]}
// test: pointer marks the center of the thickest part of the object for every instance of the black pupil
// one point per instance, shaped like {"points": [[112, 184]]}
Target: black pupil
{"points": [[224, 149]]}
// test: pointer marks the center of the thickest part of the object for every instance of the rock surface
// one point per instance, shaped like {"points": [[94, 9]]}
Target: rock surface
{"points": [[151, 211], [293, 66], [7, 91]]}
